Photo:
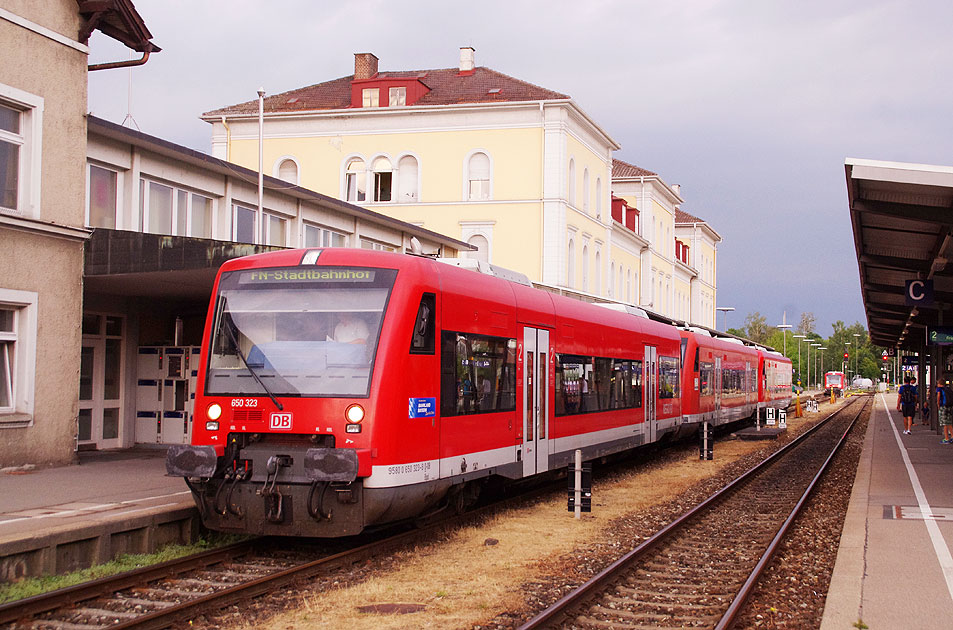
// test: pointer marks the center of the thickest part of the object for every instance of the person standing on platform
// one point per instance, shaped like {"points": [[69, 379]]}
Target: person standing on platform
{"points": [[907, 403], [944, 405]]}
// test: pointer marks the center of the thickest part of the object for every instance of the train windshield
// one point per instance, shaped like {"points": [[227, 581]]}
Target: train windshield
{"points": [[297, 331]]}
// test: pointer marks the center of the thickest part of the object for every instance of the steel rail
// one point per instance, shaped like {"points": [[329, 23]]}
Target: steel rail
{"points": [[593, 586], [45, 602], [746, 589]]}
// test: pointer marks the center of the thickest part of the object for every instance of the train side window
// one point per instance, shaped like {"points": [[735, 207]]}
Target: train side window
{"points": [[477, 374], [696, 359], [668, 377], [707, 378], [422, 340]]}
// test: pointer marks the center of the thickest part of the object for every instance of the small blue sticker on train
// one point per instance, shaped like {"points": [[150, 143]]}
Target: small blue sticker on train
{"points": [[422, 408]]}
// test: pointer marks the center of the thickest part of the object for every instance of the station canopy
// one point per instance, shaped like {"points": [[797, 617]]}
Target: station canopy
{"points": [[902, 219]]}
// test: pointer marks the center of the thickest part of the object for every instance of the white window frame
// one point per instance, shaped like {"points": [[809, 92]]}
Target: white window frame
{"points": [[325, 235], [371, 97], [119, 181], [398, 194], [377, 175], [469, 229], [467, 176], [145, 190], [30, 140], [276, 169], [398, 94], [266, 220], [367, 243], [358, 176], [22, 372]]}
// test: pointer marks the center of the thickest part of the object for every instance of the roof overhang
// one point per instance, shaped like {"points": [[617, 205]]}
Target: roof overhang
{"points": [[902, 220]]}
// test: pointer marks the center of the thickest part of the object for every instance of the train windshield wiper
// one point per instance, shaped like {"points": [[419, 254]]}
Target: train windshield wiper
{"points": [[241, 355]]}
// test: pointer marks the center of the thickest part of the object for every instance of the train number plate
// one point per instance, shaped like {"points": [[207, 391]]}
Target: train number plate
{"points": [[280, 422]]}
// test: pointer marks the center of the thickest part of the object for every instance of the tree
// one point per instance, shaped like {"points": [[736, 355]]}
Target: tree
{"points": [[756, 326], [807, 323]]}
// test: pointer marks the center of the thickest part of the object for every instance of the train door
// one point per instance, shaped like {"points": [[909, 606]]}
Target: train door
{"points": [[535, 401], [651, 392], [718, 387]]}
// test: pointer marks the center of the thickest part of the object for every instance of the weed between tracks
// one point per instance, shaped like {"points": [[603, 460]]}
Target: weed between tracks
{"points": [[27, 587]]}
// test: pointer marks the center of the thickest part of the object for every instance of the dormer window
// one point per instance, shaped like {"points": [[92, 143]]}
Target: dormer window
{"points": [[397, 97], [372, 97]]}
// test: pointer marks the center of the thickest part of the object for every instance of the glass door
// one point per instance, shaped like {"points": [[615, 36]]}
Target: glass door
{"points": [[535, 359], [651, 391], [100, 383]]}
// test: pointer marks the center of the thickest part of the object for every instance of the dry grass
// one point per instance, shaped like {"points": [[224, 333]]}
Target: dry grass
{"points": [[463, 582]]}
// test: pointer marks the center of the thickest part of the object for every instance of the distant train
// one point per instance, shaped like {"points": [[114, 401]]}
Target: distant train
{"points": [[343, 388], [835, 381]]}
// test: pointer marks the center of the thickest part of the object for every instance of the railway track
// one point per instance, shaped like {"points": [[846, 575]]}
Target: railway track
{"points": [[698, 571]]}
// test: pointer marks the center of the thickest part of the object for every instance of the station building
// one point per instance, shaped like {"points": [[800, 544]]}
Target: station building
{"points": [[43, 83], [518, 171]]}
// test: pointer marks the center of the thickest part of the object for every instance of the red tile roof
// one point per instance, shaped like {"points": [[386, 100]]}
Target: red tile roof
{"points": [[448, 86], [624, 169], [683, 217]]}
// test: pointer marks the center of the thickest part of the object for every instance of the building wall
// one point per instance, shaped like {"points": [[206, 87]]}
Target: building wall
{"points": [[40, 245]]}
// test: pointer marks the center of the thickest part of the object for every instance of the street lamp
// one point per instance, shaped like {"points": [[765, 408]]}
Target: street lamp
{"points": [[815, 345], [822, 360], [856, 358], [725, 310], [799, 338], [784, 330]]}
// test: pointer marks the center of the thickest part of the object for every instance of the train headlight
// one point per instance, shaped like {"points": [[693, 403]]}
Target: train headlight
{"points": [[354, 414], [214, 411], [211, 425]]}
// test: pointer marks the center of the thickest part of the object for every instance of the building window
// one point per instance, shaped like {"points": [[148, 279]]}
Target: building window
{"points": [[380, 247], [585, 190], [478, 177], [483, 248], [276, 228], [288, 171], [383, 179], [17, 355], [167, 210], [316, 236], [571, 264], [609, 285], [599, 198], [243, 224], [407, 179], [598, 287], [572, 182], [371, 97], [103, 190], [355, 181], [585, 267], [396, 97], [21, 126]]}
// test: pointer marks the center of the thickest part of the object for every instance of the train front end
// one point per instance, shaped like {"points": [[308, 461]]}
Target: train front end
{"points": [[281, 434]]}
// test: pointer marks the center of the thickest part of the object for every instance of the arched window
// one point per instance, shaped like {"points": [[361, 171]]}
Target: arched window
{"points": [[483, 248], [610, 284], [628, 286], [572, 182], [585, 190], [288, 171], [598, 287], [383, 179], [599, 201], [571, 265], [621, 293], [407, 179], [585, 267], [478, 177], [355, 181]]}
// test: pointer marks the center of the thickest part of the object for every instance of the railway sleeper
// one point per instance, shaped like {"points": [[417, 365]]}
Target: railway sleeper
{"points": [[57, 624], [675, 589], [104, 613], [654, 607], [143, 603], [632, 593], [677, 621]]}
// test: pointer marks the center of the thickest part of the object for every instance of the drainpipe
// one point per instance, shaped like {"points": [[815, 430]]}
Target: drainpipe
{"points": [[228, 140], [119, 64], [261, 160]]}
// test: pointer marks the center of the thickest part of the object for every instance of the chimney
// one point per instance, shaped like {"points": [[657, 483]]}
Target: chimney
{"points": [[678, 189], [466, 59], [365, 66]]}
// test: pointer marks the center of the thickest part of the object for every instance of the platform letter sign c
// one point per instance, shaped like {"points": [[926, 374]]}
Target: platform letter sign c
{"points": [[919, 293]]}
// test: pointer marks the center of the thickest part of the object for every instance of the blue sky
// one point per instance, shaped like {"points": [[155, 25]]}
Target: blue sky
{"points": [[751, 107]]}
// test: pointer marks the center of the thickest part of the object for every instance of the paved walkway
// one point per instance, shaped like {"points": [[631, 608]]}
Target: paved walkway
{"points": [[894, 567]]}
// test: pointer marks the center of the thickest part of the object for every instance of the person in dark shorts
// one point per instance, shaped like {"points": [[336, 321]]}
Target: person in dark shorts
{"points": [[907, 403], [944, 404]]}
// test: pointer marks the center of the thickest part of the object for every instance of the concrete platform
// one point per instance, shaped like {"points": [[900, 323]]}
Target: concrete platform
{"points": [[61, 519], [894, 567]]}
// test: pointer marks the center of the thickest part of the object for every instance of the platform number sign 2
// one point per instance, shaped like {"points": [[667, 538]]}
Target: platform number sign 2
{"points": [[280, 422]]}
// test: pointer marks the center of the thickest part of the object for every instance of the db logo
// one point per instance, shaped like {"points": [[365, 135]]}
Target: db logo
{"points": [[280, 422]]}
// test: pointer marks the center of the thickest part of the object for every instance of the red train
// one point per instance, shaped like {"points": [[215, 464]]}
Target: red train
{"points": [[342, 388], [835, 381]]}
